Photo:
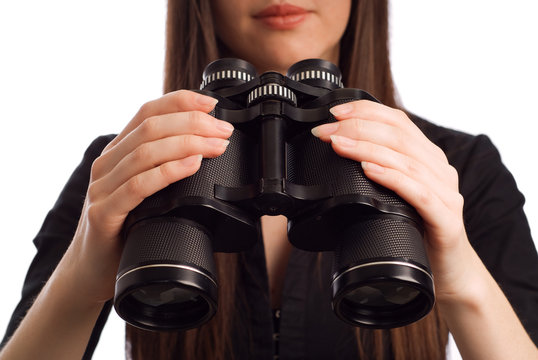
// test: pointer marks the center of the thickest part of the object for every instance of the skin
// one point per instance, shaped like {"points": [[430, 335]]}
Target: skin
{"points": [[316, 37], [165, 142]]}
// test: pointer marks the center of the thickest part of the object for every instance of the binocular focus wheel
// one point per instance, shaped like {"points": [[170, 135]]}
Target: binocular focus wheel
{"points": [[227, 72], [316, 72]]}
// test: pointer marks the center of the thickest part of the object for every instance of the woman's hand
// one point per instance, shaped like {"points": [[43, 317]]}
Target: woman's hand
{"points": [[396, 154], [164, 143]]}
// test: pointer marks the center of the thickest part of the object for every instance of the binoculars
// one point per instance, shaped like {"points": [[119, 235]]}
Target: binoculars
{"points": [[274, 166]]}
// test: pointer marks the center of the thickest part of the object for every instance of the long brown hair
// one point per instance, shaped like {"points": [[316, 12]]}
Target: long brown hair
{"points": [[364, 61]]}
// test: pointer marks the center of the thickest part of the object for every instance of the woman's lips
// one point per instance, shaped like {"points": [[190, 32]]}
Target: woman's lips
{"points": [[282, 17]]}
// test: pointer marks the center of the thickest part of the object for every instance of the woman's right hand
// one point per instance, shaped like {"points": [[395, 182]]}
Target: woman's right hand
{"points": [[164, 143]]}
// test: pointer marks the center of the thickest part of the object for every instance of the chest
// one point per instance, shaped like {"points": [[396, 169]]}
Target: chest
{"points": [[277, 252], [308, 327]]}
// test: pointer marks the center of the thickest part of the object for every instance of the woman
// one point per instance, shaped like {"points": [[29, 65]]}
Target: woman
{"points": [[411, 157]]}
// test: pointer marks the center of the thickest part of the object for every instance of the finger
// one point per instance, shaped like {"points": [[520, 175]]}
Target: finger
{"points": [[153, 154], [363, 129], [176, 101], [402, 140], [370, 110], [444, 176], [158, 127], [442, 223], [130, 194], [398, 138], [366, 109]]}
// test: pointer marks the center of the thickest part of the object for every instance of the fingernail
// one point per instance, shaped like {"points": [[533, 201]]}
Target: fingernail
{"points": [[224, 126], [192, 160], [343, 141], [372, 168], [325, 129], [216, 142], [340, 110], [206, 100]]}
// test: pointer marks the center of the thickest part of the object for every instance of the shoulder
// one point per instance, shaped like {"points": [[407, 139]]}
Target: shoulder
{"points": [[475, 157], [97, 145], [459, 147], [92, 152], [489, 189], [72, 195]]}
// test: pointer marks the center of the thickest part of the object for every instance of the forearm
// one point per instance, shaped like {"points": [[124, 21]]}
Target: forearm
{"points": [[59, 323], [483, 323]]}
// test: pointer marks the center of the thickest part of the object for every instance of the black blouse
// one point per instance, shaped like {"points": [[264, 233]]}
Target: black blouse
{"points": [[495, 222]]}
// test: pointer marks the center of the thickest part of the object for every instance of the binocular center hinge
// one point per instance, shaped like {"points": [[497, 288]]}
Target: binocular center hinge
{"points": [[272, 196]]}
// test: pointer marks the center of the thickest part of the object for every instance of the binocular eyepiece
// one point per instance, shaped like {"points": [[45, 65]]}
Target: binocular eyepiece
{"points": [[273, 165]]}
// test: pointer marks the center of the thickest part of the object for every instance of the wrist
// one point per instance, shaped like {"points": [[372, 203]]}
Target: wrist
{"points": [[71, 285], [461, 279], [482, 320], [59, 323], [469, 295]]}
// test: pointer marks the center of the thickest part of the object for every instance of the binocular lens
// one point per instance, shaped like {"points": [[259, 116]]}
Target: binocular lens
{"points": [[164, 294], [380, 276], [166, 306], [383, 295], [172, 285]]}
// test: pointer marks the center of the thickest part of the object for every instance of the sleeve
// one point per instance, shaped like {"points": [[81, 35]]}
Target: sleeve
{"points": [[498, 228], [54, 238]]}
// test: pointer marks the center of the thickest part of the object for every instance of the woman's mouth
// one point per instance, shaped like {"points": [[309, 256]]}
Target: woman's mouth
{"points": [[282, 17]]}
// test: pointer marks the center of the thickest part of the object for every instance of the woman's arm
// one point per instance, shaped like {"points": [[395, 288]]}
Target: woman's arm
{"points": [[53, 239], [397, 155], [59, 323], [481, 319], [164, 143]]}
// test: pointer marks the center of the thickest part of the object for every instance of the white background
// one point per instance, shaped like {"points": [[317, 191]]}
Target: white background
{"points": [[70, 71]]}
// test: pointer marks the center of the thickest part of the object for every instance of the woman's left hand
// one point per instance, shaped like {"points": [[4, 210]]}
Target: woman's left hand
{"points": [[396, 154]]}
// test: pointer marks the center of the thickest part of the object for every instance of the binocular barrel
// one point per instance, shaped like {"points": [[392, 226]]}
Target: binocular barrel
{"points": [[273, 165]]}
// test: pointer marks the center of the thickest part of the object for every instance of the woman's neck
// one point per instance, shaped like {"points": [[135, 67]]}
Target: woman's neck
{"points": [[277, 252]]}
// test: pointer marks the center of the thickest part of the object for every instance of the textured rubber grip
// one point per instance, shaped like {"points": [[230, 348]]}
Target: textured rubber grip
{"points": [[385, 238], [167, 241]]}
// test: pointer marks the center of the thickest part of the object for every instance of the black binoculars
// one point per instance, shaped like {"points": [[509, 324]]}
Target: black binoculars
{"points": [[274, 166]]}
